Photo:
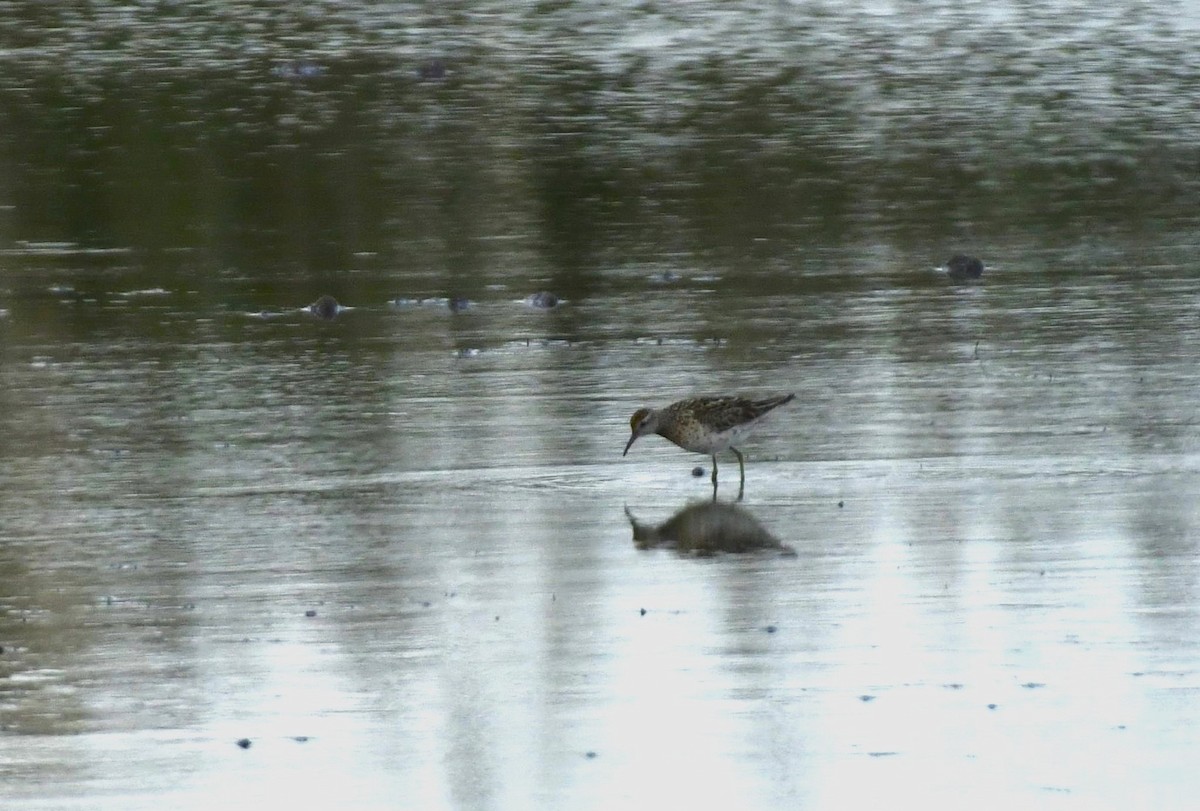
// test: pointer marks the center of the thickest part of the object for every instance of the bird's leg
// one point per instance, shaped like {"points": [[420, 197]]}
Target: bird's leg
{"points": [[742, 469], [714, 475]]}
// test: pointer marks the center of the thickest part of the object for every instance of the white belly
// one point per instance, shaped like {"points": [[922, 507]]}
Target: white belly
{"points": [[712, 444]]}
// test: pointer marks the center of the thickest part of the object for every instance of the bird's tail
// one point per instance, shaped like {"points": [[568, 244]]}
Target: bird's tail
{"points": [[774, 402]]}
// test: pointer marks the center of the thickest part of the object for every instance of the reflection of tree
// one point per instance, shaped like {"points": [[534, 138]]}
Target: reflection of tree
{"points": [[705, 528]]}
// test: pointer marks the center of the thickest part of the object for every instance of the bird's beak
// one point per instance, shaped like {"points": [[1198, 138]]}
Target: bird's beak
{"points": [[632, 439]]}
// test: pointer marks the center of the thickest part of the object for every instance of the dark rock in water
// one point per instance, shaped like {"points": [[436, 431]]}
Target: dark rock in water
{"points": [[325, 307], [961, 267], [312, 612], [706, 528], [666, 277], [432, 70], [298, 69], [697, 471], [244, 743], [543, 300]]}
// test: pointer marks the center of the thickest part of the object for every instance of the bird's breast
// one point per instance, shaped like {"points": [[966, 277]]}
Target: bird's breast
{"points": [[706, 442]]}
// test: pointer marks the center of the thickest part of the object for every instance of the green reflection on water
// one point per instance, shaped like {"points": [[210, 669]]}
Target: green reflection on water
{"points": [[277, 139]]}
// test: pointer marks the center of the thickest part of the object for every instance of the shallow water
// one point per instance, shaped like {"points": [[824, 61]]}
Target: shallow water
{"points": [[393, 550]]}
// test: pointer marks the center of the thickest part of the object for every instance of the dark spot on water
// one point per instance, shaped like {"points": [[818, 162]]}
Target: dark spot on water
{"points": [[589, 755], [841, 504], [425, 604], [432, 70], [770, 629], [953, 686], [962, 267], [643, 612], [457, 305], [992, 706], [244, 743], [865, 698], [326, 307], [300, 738], [312, 612], [1032, 685], [497, 618], [298, 70], [1, 650], [697, 471], [882, 754]]}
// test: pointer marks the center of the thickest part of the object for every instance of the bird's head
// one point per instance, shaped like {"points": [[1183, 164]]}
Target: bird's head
{"points": [[641, 423]]}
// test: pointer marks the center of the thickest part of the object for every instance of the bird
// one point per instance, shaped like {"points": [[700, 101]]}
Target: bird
{"points": [[706, 425]]}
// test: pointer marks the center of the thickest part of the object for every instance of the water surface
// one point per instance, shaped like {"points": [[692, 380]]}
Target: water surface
{"points": [[392, 551]]}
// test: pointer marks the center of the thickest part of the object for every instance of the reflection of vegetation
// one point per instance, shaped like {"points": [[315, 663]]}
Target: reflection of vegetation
{"points": [[706, 528], [324, 132]]}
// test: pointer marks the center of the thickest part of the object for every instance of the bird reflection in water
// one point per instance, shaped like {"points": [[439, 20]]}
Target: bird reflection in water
{"points": [[706, 528]]}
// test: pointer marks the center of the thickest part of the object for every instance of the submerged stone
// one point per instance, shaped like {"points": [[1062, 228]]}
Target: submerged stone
{"points": [[326, 308], [962, 267], [543, 300]]}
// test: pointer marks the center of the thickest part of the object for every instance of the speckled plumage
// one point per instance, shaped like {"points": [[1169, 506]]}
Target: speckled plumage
{"points": [[705, 425]]}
